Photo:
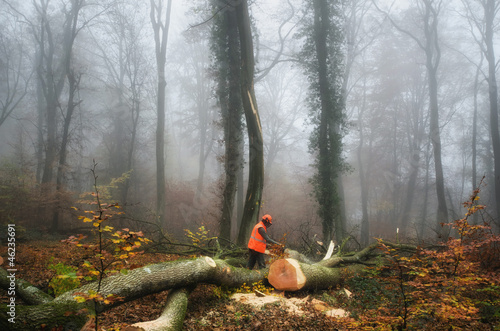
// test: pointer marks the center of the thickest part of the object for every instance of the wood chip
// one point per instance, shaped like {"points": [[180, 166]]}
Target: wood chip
{"points": [[259, 293]]}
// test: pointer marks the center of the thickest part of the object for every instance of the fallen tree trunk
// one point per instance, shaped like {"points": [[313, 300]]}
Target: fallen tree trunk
{"points": [[64, 311], [44, 312], [292, 275], [356, 258], [30, 294], [172, 316]]}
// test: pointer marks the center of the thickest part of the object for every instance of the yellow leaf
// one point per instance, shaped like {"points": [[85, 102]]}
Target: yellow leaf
{"points": [[96, 224], [86, 219], [80, 299]]}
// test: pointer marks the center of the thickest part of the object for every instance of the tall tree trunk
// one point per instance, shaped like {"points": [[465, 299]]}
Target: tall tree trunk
{"points": [[410, 192], [135, 114], [227, 51], [363, 175], [490, 10], [256, 145], [415, 136], [73, 83], [433, 56], [329, 142], [474, 182], [160, 29], [423, 215], [324, 172], [41, 107]]}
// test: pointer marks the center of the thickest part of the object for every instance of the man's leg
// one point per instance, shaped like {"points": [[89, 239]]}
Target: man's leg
{"points": [[251, 259], [261, 261]]}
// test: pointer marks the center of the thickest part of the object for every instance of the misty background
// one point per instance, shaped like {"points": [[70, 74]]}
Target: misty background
{"points": [[104, 71]]}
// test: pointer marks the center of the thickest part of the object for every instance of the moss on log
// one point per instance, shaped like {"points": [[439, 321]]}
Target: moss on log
{"points": [[30, 294], [48, 316], [137, 283]]}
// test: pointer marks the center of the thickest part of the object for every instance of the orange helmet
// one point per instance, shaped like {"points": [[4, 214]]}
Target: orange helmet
{"points": [[267, 218]]}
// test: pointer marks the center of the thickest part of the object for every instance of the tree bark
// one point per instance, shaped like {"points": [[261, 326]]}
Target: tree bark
{"points": [[292, 275], [490, 10], [160, 29], [65, 311], [256, 144], [364, 174], [24, 290], [172, 316], [227, 53]]}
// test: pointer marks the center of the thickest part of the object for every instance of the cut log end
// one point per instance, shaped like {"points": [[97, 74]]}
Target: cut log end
{"points": [[210, 262], [286, 275]]}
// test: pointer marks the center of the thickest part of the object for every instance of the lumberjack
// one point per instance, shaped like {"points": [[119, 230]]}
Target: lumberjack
{"points": [[258, 242]]}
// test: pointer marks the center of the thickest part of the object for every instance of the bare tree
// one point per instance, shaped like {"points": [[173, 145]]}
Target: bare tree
{"points": [[160, 27], [429, 11], [122, 52], [199, 115], [54, 49], [14, 84], [482, 17], [359, 35], [281, 110]]}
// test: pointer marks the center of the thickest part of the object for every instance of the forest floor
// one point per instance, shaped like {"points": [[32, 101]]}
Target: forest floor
{"points": [[209, 308]]}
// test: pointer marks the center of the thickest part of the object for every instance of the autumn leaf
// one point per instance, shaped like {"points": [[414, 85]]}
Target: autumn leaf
{"points": [[80, 299]]}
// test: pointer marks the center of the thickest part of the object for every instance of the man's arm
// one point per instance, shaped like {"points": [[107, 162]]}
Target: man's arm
{"points": [[264, 235]]}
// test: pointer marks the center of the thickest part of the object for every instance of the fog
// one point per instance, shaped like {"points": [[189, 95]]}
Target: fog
{"points": [[388, 143]]}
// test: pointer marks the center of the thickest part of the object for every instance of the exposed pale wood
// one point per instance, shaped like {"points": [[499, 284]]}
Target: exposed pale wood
{"points": [[173, 314], [356, 258], [286, 275], [292, 275], [290, 253], [330, 250]]}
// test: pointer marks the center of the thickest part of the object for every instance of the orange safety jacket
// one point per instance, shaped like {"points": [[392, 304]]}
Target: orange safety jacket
{"points": [[257, 242]]}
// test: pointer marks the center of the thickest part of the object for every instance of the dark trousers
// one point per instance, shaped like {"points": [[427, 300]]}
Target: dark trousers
{"points": [[256, 257]]}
